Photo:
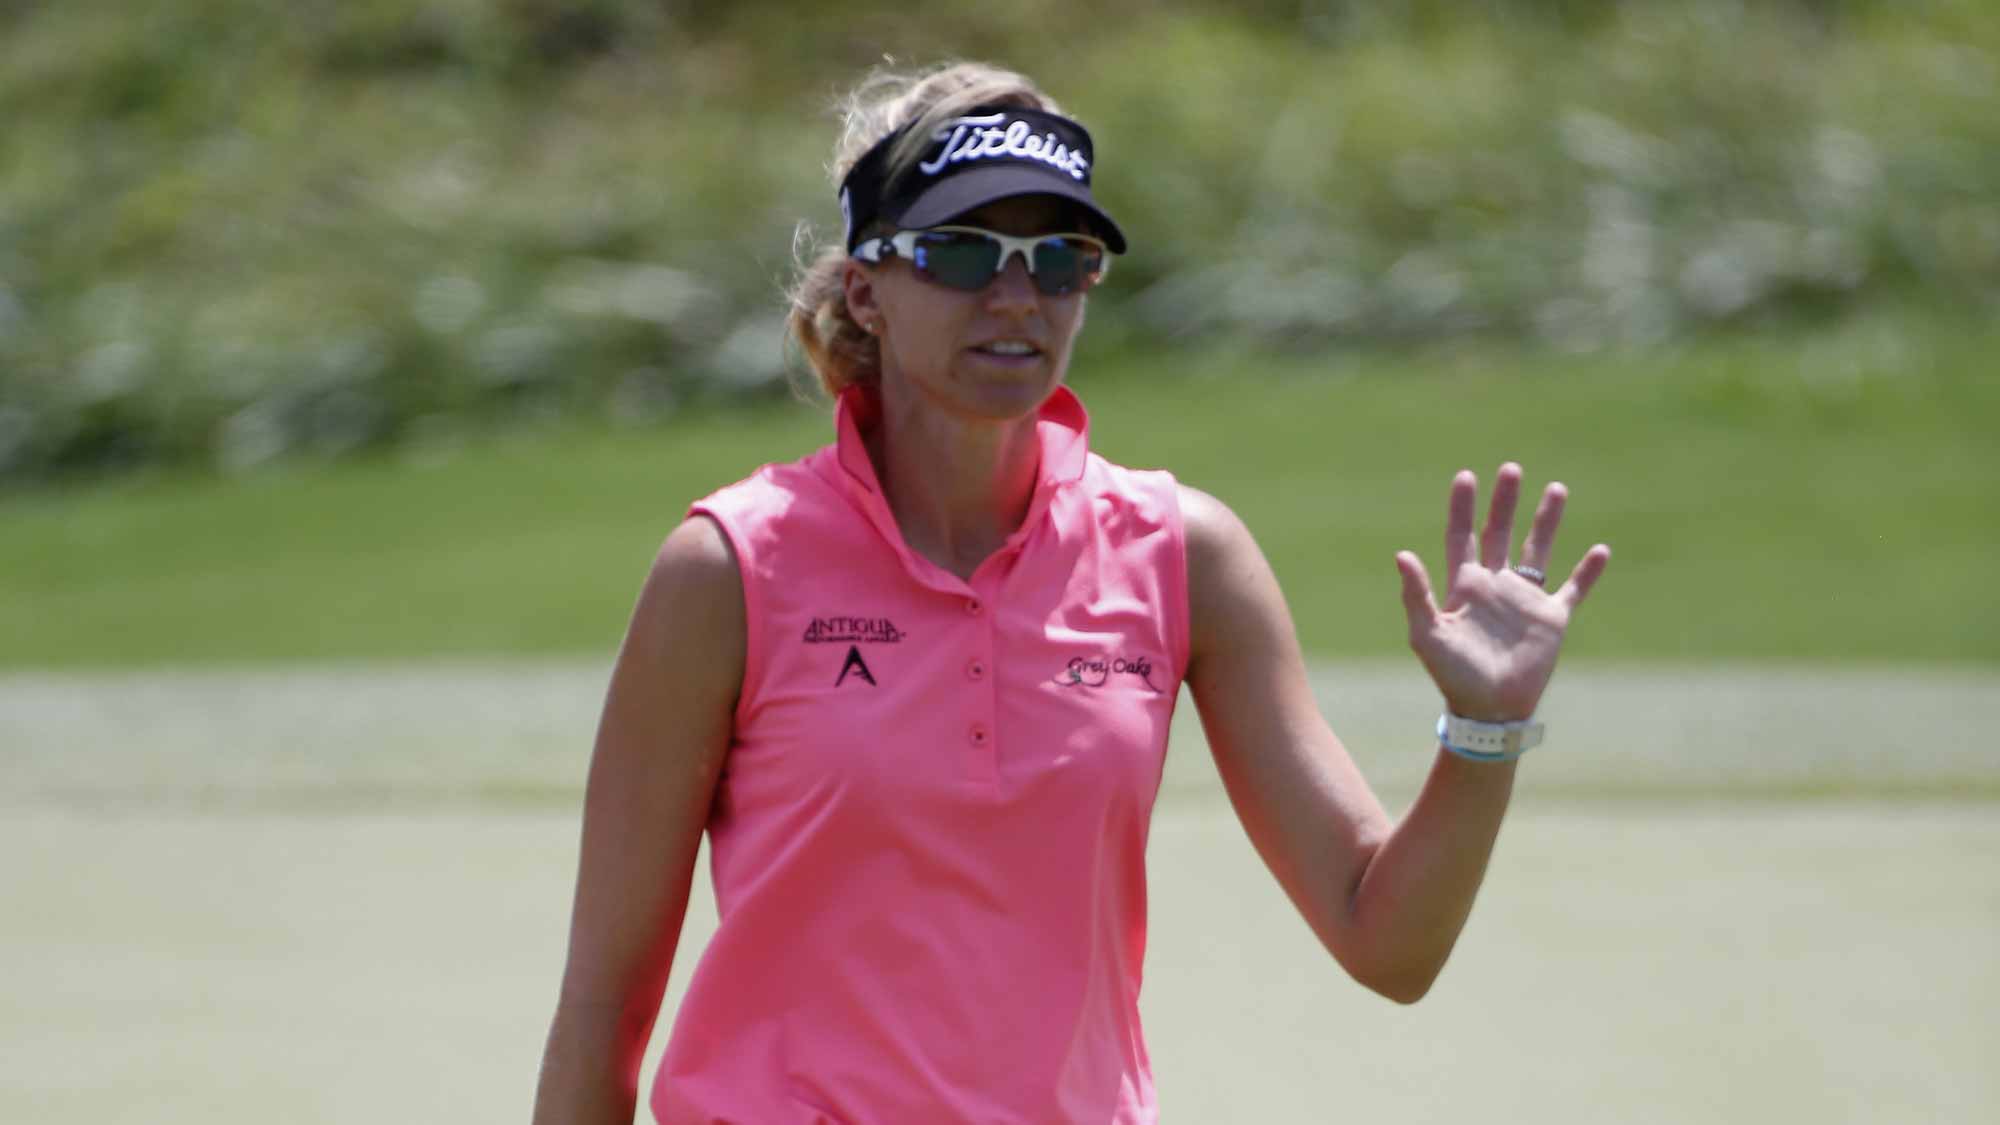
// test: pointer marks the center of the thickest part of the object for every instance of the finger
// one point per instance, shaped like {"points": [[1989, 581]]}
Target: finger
{"points": [[1586, 574], [1540, 545], [1417, 600], [1499, 533], [1458, 542]]}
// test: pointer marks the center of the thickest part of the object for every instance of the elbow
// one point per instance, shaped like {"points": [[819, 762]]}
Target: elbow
{"points": [[1405, 989], [1403, 981], [1389, 953]]}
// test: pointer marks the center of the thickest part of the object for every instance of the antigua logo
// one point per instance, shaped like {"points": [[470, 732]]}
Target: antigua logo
{"points": [[855, 665], [850, 630], [1095, 671]]}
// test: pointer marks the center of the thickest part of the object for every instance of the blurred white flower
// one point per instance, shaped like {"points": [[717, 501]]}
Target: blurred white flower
{"points": [[1596, 141], [251, 436], [517, 353], [448, 304], [672, 298], [753, 355], [1424, 283], [113, 310], [1618, 245], [112, 370]]}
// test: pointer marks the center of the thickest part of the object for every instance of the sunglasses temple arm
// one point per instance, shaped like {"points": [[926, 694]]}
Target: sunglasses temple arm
{"points": [[874, 249]]}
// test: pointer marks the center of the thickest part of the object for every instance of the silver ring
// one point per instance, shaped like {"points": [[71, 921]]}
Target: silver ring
{"points": [[1532, 575]]}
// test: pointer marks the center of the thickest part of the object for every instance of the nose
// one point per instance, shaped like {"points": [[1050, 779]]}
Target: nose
{"points": [[1012, 288]]}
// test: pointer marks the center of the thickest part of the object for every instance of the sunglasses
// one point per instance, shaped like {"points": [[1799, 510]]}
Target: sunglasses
{"points": [[968, 258]]}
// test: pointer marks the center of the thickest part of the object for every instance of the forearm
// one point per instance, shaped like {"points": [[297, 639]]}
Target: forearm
{"points": [[589, 1073], [1415, 894]]}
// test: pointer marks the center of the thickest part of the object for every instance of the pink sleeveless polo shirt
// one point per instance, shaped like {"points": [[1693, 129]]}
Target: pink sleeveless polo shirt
{"points": [[929, 838]]}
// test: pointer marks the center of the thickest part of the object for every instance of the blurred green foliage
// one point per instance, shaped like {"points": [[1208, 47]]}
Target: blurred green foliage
{"points": [[232, 230]]}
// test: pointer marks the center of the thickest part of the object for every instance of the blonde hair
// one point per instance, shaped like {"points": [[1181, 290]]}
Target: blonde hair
{"points": [[841, 353]]}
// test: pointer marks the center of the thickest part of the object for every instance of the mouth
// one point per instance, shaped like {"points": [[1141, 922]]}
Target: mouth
{"points": [[1010, 349]]}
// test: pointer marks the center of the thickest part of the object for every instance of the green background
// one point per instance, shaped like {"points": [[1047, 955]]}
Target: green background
{"points": [[355, 358], [1766, 498], [398, 329]]}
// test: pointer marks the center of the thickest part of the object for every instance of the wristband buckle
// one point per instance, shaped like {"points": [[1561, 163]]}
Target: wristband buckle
{"points": [[1488, 742]]}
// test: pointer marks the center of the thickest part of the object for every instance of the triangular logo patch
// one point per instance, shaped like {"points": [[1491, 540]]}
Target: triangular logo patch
{"points": [[855, 665]]}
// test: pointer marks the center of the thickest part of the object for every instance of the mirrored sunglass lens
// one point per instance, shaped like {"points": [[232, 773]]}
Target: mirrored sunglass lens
{"points": [[1063, 265], [957, 258]]}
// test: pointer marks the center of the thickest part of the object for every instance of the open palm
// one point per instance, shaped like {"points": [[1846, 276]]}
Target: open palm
{"points": [[1492, 647]]}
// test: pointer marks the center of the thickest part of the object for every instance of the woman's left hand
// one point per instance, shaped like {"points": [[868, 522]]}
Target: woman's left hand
{"points": [[1492, 648]]}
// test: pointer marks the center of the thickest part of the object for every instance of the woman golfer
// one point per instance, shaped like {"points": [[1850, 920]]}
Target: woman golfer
{"points": [[916, 688]]}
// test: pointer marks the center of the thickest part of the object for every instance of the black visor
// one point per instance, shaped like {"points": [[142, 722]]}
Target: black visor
{"points": [[988, 154]]}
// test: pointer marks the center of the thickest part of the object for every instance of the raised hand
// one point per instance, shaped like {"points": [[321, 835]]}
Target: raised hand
{"points": [[1492, 648]]}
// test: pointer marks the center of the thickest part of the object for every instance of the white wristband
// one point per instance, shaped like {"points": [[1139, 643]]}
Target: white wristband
{"points": [[1488, 742]]}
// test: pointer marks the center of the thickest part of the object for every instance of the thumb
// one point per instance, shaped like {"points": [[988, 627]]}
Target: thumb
{"points": [[1417, 600]]}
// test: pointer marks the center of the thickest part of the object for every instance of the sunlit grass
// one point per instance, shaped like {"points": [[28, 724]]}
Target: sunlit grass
{"points": [[1824, 496]]}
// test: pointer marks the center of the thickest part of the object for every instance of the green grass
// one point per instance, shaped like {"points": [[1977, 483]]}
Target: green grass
{"points": [[1822, 496]]}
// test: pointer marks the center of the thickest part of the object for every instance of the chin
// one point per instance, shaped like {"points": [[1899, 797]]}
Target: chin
{"points": [[1002, 400]]}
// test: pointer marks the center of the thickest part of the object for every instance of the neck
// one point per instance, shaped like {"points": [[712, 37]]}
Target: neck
{"points": [[957, 486]]}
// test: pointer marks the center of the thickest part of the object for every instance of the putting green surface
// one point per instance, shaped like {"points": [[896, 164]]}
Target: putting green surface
{"points": [[1751, 963], [236, 898]]}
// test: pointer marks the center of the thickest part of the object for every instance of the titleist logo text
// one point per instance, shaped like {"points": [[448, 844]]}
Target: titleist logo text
{"points": [[981, 138]]}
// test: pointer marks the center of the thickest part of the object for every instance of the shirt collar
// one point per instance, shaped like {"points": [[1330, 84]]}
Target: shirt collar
{"points": [[1061, 425]]}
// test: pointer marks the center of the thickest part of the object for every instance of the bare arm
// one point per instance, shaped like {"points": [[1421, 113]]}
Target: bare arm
{"points": [[660, 747], [1388, 900]]}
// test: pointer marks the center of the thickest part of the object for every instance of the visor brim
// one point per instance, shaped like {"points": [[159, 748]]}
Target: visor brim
{"points": [[975, 188]]}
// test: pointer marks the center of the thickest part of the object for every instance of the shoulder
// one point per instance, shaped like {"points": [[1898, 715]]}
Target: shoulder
{"points": [[785, 503], [1234, 603], [1151, 496], [696, 551], [771, 490], [692, 592], [1216, 537], [694, 578]]}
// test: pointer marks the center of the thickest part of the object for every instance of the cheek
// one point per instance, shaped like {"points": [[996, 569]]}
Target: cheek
{"points": [[915, 314], [1067, 319], [935, 322], [925, 332]]}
